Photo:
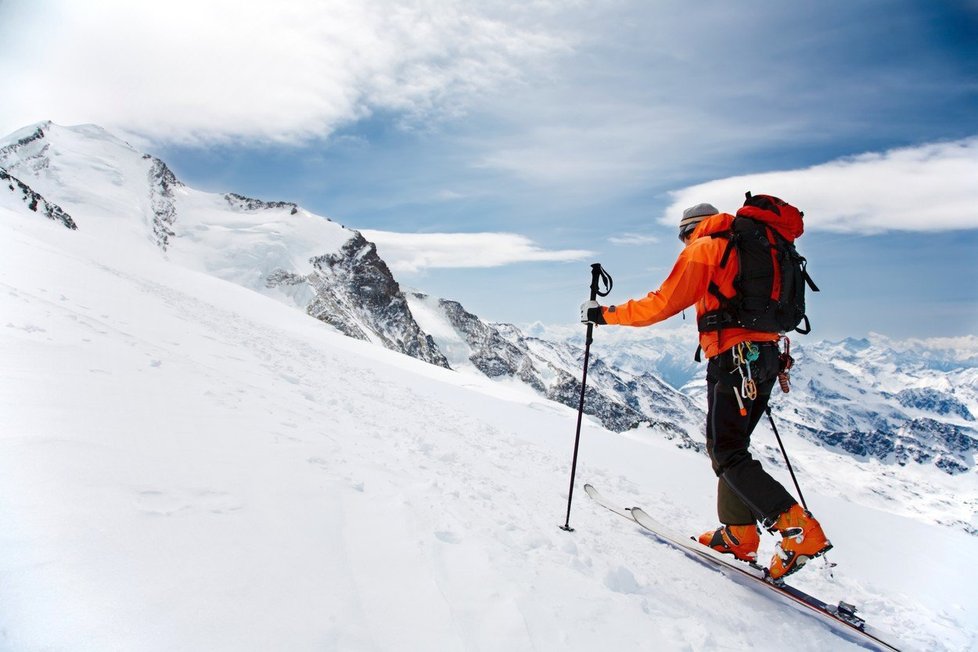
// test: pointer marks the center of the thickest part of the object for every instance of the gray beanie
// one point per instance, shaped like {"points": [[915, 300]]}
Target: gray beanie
{"points": [[693, 216]]}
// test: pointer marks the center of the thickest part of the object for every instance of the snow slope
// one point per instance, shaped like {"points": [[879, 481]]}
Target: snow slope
{"points": [[186, 464]]}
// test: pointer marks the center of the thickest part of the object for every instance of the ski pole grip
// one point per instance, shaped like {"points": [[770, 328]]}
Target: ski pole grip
{"points": [[600, 276]]}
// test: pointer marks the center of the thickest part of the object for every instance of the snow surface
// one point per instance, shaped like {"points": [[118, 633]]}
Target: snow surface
{"points": [[186, 464]]}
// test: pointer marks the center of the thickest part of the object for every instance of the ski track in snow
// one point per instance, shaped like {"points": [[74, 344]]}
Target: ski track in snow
{"points": [[187, 465]]}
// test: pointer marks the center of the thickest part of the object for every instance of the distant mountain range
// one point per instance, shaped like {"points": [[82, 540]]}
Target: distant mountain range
{"points": [[874, 400], [880, 400]]}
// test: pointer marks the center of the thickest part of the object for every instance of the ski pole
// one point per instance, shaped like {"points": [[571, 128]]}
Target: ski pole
{"points": [[785, 454], [825, 557], [598, 274]]}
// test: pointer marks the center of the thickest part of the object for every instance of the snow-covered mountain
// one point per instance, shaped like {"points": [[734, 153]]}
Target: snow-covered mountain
{"points": [[186, 464], [88, 179]]}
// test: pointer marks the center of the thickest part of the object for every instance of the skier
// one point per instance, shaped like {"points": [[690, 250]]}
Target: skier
{"points": [[742, 368]]}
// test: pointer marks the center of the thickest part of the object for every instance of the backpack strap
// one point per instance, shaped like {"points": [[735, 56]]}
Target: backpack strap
{"points": [[808, 279], [717, 319], [729, 248], [808, 326]]}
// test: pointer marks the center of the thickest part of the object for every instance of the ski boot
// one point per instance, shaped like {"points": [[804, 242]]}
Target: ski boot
{"points": [[801, 539], [741, 541]]}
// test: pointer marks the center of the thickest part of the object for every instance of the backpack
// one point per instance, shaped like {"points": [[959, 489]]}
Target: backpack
{"points": [[770, 283]]}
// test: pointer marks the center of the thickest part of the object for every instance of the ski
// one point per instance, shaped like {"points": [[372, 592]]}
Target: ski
{"points": [[841, 618]]}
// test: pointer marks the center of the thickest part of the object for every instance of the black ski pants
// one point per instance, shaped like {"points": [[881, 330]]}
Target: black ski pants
{"points": [[746, 493]]}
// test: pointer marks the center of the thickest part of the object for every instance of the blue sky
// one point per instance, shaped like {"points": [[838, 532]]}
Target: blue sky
{"points": [[526, 140]]}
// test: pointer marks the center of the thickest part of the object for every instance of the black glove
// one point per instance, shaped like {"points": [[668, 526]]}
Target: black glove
{"points": [[591, 313]]}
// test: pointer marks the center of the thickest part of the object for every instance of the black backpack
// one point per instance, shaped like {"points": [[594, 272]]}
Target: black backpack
{"points": [[770, 284]]}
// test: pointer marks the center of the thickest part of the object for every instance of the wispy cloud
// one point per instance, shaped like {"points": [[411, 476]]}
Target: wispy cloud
{"points": [[222, 69], [633, 239], [415, 252], [932, 187]]}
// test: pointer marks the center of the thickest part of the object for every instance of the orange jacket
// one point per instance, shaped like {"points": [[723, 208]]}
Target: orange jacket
{"points": [[688, 283]]}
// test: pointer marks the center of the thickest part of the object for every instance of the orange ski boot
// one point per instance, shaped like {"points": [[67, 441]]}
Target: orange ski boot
{"points": [[801, 539], [741, 541]]}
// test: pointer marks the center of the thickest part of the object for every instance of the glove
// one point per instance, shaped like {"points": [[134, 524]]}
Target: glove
{"points": [[591, 313]]}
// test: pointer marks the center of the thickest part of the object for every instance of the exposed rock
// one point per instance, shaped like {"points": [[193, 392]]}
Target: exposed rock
{"points": [[356, 293], [240, 202], [35, 201], [162, 181]]}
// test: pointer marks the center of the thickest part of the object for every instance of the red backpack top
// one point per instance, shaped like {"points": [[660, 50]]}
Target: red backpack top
{"points": [[778, 214]]}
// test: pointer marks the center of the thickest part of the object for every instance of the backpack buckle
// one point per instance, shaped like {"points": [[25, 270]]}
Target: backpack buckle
{"points": [[714, 321]]}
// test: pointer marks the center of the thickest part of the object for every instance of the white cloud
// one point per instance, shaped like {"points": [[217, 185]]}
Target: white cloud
{"points": [[186, 70], [932, 187], [414, 252]]}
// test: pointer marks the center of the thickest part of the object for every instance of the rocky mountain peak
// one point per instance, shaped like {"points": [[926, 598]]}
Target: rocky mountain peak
{"points": [[356, 293]]}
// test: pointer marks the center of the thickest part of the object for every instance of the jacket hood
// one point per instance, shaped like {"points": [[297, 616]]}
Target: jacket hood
{"points": [[788, 224], [713, 224]]}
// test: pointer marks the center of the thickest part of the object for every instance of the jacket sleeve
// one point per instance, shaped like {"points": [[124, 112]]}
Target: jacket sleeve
{"points": [[685, 285]]}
